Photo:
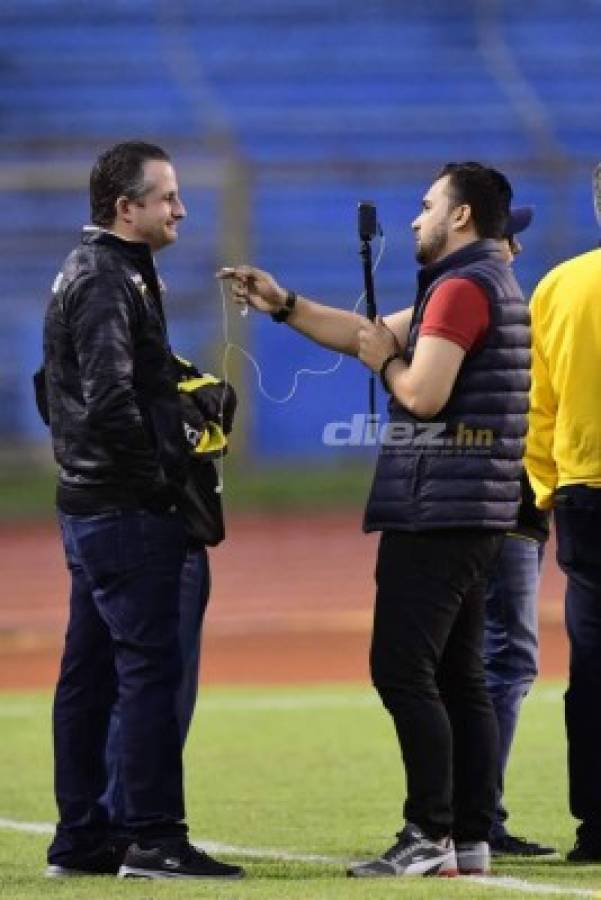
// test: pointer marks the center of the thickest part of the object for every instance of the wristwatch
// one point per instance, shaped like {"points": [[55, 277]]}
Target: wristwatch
{"points": [[384, 369], [282, 314]]}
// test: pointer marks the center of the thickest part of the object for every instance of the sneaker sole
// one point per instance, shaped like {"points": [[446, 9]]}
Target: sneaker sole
{"points": [[131, 872], [54, 871], [425, 869]]}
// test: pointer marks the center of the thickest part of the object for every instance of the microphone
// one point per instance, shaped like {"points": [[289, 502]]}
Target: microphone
{"points": [[368, 228], [368, 221]]}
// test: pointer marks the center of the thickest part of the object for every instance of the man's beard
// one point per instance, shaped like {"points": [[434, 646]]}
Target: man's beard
{"points": [[433, 250]]}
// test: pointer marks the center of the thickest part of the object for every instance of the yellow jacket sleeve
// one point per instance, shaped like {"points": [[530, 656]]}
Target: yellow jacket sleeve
{"points": [[539, 459]]}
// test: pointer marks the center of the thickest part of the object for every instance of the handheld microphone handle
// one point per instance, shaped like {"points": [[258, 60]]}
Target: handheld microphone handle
{"points": [[371, 312], [368, 278]]}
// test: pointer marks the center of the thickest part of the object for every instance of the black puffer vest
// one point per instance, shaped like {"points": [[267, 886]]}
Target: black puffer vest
{"points": [[462, 470]]}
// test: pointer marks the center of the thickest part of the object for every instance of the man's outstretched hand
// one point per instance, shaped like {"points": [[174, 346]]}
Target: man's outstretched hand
{"points": [[376, 343], [254, 287]]}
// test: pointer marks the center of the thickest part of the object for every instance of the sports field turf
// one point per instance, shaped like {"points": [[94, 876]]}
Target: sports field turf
{"points": [[282, 774]]}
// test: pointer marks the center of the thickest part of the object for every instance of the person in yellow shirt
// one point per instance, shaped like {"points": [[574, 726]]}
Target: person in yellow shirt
{"points": [[563, 460]]}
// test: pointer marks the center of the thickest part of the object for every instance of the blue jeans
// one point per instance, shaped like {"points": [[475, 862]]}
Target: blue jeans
{"points": [[193, 599], [578, 525], [121, 641], [511, 645]]}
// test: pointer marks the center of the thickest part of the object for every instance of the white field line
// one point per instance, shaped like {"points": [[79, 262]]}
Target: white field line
{"points": [[504, 883], [532, 887], [270, 853], [32, 827]]}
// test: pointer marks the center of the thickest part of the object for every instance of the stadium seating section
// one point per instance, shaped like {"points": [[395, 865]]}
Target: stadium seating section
{"points": [[328, 102]]}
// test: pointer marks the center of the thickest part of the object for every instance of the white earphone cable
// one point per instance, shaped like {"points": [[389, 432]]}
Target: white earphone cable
{"points": [[229, 346]]}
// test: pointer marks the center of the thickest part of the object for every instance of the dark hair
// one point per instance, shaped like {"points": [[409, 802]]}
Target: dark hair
{"points": [[485, 190], [119, 172]]}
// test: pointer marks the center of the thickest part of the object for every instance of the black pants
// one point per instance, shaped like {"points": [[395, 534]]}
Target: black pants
{"points": [[426, 664], [578, 524]]}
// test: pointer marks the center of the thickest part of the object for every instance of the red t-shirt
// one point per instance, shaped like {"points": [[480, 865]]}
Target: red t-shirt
{"points": [[458, 310]]}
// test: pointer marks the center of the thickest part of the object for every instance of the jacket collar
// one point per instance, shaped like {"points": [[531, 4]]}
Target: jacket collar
{"points": [[474, 252], [137, 252]]}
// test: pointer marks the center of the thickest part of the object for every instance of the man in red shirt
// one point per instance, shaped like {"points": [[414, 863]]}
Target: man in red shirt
{"points": [[443, 506], [458, 312]]}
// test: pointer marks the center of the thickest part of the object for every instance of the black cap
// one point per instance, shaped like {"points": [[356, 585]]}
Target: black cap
{"points": [[519, 220]]}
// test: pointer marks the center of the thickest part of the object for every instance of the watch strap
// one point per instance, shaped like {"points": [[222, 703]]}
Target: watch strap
{"points": [[282, 314], [384, 369]]}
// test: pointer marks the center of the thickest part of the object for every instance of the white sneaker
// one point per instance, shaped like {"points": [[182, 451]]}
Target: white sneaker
{"points": [[473, 857], [413, 854]]}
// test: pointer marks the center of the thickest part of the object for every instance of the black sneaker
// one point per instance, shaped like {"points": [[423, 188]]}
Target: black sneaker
{"points": [[174, 859], [510, 845], [584, 852], [104, 860], [413, 854]]}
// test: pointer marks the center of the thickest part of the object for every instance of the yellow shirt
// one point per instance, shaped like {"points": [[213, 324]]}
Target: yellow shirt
{"points": [[564, 435]]}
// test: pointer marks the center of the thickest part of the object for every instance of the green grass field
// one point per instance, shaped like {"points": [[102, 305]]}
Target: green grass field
{"points": [[280, 774], [28, 492]]}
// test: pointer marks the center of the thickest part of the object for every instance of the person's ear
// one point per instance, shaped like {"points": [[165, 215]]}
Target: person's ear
{"points": [[123, 208], [515, 245], [460, 217]]}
